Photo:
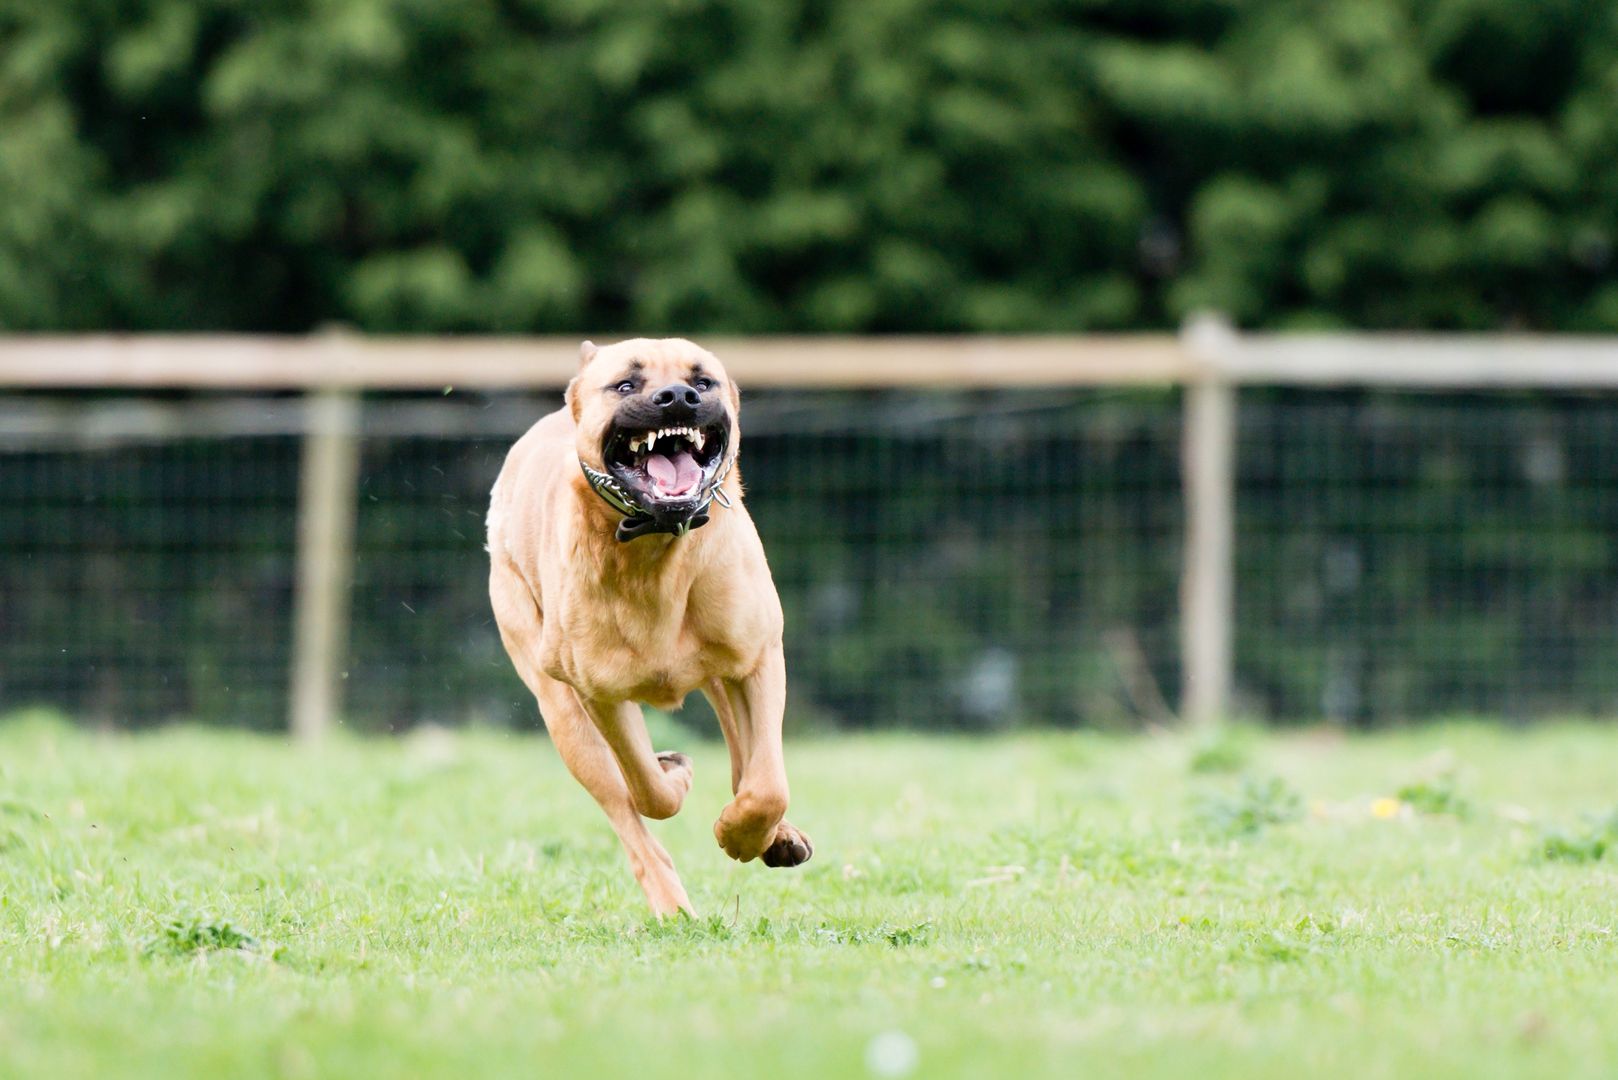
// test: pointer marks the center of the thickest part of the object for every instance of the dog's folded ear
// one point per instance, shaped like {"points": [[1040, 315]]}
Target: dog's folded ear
{"points": [[587, 353]]}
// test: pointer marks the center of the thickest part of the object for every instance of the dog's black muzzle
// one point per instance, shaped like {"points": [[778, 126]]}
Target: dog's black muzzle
{"points": [[667, 454]]}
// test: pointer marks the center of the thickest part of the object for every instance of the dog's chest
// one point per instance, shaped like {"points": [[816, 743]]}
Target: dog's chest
{"points": [[655, 654], [660, 664]]}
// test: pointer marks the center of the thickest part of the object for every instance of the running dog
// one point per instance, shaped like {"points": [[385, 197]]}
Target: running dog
{"points": [[625, 570]]}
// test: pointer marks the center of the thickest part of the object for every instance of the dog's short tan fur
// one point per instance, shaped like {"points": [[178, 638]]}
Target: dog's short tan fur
{"points": [[595, 626]]}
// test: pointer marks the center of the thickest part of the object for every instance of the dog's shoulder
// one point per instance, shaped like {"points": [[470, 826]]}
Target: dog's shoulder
{"points": [[540, 456], [548, 432]]}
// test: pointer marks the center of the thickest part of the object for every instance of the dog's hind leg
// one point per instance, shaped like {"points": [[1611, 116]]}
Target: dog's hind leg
{"points": [[658, 782], [583, 750], [593, 764]]}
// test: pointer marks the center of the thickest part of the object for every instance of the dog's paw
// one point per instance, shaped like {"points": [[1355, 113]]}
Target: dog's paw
{"points": [[673, 761], [677, 767], [748, 826], [791, 847]]}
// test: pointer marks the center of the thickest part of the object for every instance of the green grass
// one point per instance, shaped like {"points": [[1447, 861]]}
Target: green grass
{"points": [[194, 903]]}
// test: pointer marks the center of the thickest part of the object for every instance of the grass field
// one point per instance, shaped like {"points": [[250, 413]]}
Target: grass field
{"points": [[192, 903]]}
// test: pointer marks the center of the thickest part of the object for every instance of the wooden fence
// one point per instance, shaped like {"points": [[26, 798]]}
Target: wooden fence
{"points": [[1208, 358]]}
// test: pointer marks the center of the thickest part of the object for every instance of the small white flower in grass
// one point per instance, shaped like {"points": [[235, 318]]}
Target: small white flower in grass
{"points": [[892, 1053]]}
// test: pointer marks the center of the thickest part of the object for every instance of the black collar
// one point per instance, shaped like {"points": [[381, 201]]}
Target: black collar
{"points": [[639, 522]]}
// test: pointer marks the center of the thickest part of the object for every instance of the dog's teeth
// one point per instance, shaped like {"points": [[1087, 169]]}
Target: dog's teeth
{"points": [[697, 438]]}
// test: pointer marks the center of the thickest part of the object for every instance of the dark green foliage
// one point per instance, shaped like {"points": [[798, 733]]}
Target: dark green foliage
{"points": [[1226, 749], [1250, 810], [182, 937], [1436, 795], [1589, 841], [915, 934], [1584, 845], [708, 165], [847, 933]]}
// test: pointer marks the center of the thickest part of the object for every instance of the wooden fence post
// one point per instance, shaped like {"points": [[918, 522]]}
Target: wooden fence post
{"points": [[327, 507], [1208, 476]]}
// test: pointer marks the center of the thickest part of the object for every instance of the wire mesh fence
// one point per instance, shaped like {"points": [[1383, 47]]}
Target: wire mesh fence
{"points": [[949, 560], [952, 560], [1404, 555], [143, 582]]}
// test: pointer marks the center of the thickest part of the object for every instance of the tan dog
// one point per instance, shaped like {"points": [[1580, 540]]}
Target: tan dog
{"points": [[624, 570]]}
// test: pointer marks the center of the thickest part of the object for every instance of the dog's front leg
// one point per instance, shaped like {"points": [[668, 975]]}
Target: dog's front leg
{"points": [[750, 712]]}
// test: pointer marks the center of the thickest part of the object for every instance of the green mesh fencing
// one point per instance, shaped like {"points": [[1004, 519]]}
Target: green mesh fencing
{"points": [[1406, 555], [947, 560]]}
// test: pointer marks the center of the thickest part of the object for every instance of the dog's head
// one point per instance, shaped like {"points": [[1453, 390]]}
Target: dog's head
{"points": [[657, 417]]}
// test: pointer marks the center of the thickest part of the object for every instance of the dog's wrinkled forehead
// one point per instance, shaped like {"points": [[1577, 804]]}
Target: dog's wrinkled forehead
{"points": [[655, 363]]}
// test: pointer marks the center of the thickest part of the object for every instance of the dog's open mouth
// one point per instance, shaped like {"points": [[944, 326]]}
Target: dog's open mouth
{"points": [[667, 466]]}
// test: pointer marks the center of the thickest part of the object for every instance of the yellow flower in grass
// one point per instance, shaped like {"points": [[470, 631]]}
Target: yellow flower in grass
{"points": [[1386, 807]]}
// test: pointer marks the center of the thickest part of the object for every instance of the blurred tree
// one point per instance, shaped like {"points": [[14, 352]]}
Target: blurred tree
{"points": [[729, 165], [889, 165]]}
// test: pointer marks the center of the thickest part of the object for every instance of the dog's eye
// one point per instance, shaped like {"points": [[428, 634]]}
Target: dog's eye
{"points": [[625, 387], [704, 384]]}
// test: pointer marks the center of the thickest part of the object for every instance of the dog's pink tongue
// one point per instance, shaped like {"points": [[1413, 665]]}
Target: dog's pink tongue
{"points": [[676, 475]]}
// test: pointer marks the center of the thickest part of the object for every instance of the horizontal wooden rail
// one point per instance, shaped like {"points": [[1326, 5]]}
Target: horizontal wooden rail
{"points": [[1448, 361], [405, 363], [341, 360]]}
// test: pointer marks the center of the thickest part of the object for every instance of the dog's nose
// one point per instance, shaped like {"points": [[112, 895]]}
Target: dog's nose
{"points": [[676, 394]]}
